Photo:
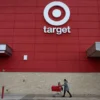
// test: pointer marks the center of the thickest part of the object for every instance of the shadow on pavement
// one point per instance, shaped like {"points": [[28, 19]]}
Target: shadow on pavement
{"points": [[29, 96]]}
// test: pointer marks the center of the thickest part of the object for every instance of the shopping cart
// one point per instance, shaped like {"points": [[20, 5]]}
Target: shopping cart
{"points": [[57, 89]]}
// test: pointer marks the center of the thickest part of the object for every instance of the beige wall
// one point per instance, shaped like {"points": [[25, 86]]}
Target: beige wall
{"points": [[40, 83]]}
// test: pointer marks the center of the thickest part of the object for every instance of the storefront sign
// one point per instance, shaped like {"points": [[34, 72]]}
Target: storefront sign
{"points": [[56, 13]]}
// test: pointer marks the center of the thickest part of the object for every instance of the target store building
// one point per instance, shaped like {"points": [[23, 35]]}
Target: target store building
{"points": [[44, 41]]}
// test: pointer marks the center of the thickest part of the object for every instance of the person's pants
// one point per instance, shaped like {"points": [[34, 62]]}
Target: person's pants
{"points": [[68, 93]]}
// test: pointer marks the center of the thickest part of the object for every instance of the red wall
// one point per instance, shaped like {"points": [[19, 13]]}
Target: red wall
{"points": [[21, 26]]}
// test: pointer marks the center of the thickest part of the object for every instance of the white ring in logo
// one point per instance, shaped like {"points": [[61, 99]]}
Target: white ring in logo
{"points": [[60, 4]]}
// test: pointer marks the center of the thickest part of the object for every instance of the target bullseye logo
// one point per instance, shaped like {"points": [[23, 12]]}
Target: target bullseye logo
{"points": [[56, 13]]}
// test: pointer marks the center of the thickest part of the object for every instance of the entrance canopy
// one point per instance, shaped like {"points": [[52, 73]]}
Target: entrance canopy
{"points": [[5, 50], [94, 50]]}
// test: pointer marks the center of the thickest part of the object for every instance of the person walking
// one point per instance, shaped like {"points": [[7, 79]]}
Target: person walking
{"points": [[66, 88]]}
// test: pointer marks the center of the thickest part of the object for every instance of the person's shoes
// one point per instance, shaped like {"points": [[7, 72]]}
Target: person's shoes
{"points": [[63, 96], [71, 96]]}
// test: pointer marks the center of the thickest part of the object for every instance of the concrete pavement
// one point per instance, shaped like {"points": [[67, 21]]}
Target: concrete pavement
{"points": [[50, 97]]}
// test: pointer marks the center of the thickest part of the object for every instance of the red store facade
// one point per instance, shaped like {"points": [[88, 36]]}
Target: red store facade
{"points": [[21, 27]]}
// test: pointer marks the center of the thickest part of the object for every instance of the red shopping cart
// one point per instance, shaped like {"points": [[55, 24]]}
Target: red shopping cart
{"points": [[56, 89]]}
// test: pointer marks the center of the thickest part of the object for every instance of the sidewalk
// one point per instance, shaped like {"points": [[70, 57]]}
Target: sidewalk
{"points": [[49, 97]]}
